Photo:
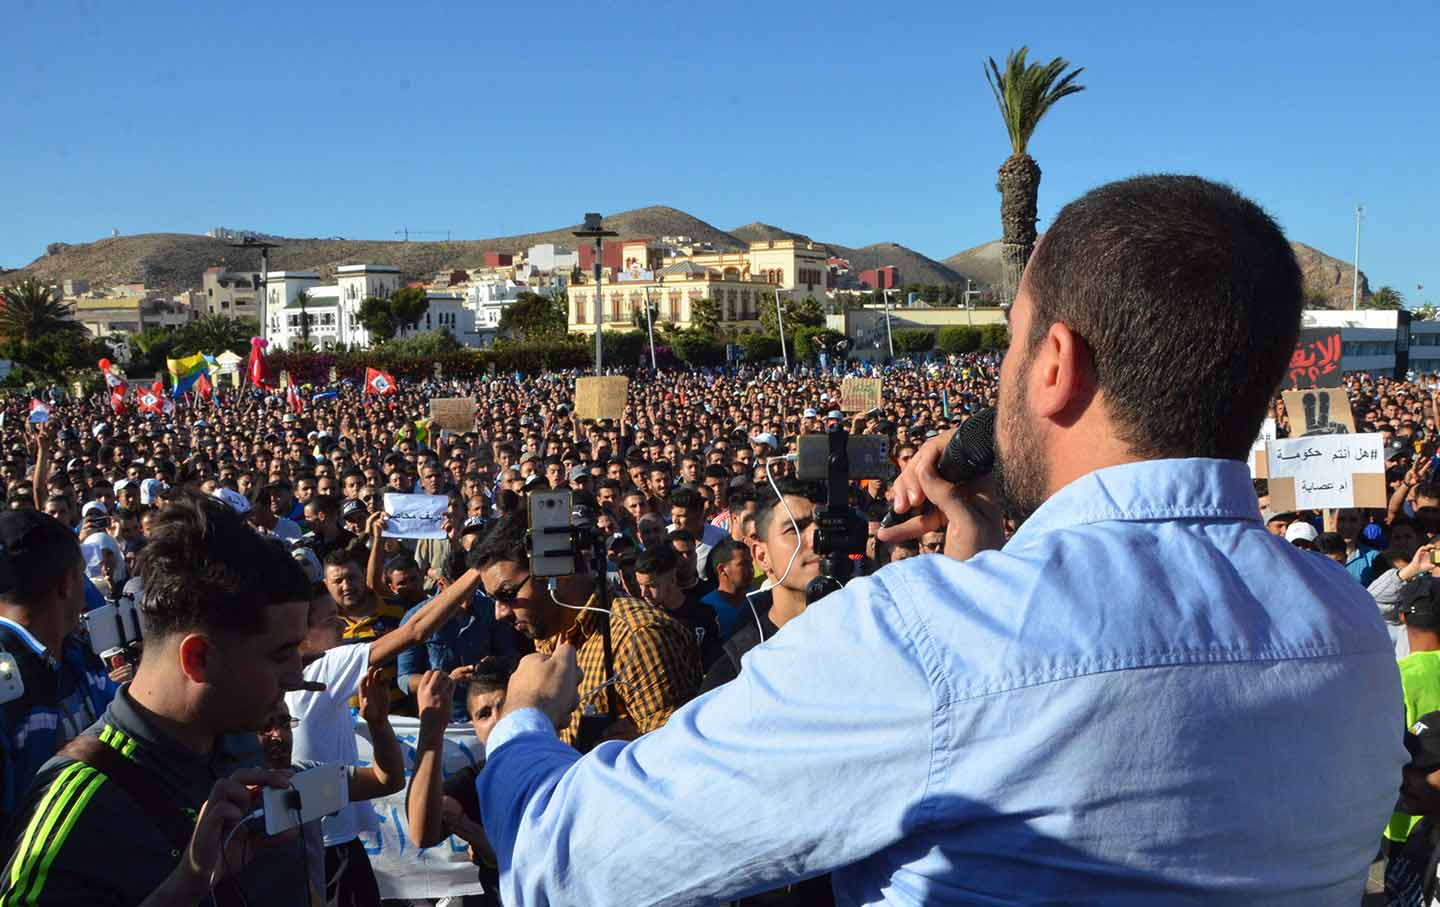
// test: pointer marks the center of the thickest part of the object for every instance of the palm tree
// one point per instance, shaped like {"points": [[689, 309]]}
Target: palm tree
{"points": [[29, 312], [302, 299], [1024, 95], [216, 333]]}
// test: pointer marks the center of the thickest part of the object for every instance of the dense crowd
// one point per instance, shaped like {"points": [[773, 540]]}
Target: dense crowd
{"points": [[709, 544]]}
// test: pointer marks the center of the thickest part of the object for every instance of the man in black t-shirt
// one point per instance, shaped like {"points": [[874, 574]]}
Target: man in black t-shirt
{"points": [[656, 576]]}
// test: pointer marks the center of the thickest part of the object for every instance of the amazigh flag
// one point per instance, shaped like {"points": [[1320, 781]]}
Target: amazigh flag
{"points": [[377, 382], [186, 371], [204, 388], [39, 412], [945, 402]]}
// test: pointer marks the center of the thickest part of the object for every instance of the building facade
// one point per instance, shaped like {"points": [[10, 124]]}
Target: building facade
{"points": [[234, 294], [327, 316], [672, 293]]}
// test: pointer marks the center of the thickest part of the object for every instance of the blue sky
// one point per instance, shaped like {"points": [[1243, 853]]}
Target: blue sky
{"points": [[855, 123]]}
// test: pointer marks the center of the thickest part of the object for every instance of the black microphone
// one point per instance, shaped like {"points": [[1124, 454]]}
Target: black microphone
{"points": [[969, 455]]}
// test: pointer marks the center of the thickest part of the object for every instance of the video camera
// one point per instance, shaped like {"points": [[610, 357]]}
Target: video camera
{"points": [[836, 458]]}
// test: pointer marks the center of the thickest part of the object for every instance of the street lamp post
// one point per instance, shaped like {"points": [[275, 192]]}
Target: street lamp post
{"points": [[889, 338], [649, 324], [251, 242], [594, 228], [780, 316]]}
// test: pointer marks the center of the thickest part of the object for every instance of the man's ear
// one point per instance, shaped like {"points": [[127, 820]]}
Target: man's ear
{"points": [[197, 658]]}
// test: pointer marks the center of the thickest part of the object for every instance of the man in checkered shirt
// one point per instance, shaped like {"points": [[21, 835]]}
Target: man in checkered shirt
{"points": [[657, 665]]}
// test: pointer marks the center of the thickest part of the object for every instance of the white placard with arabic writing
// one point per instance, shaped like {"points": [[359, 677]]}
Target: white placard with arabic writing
{"points": [[1267, 434], [1324, 466], [415, 516]]}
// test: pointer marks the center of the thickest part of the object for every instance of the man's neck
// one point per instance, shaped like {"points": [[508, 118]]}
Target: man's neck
{"points": [[165, 707], [368, 606], [49, 632], [1422, 640], [785, 605]]}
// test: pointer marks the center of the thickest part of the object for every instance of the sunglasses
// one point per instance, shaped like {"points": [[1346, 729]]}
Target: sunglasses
{"points": [[506, 596]]}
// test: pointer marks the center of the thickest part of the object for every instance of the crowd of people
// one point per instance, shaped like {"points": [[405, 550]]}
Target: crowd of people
{"points": [[279, 613]]}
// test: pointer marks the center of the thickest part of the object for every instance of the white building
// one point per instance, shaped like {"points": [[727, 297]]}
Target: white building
{"points": [[1373, 340], [551, 257], [329, 315]]}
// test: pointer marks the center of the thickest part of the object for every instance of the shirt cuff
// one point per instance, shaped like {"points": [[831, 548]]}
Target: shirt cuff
{"points": [[521, 721]]}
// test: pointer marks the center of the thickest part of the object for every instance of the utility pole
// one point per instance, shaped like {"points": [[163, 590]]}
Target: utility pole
{"points": [[649, 325], [889, 338], [594, 228], [251, 242], [1355, 278], [780, 315]]}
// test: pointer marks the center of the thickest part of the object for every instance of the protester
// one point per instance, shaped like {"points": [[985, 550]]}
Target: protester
{"points": [[734, 571], [1141, 629]]}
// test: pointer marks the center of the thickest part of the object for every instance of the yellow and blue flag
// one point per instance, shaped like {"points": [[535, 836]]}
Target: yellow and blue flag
{"points": [[186, 372]]}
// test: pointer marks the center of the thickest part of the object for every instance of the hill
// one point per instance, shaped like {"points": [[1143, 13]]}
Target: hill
{"points": [[1327, 279], [914, 267], [175, 261], [760, 232]]}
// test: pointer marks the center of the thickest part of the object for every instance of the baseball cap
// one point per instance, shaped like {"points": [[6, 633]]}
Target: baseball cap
{"points": [[810, 412], [527, 456], [310, 563], [765, 437], [93, 507], [578, 473], [835, 414], [473, 524], [150, 489], [237, 501], [352, 507], [1271, 516], [1301, 531], [99, 428]]}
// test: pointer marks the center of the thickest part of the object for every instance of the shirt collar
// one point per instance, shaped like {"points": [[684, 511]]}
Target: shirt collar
{"points": [[26, 637], [1192, 488], [228, 750]]}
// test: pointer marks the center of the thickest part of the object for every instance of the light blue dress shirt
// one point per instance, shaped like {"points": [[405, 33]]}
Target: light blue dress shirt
{"points": [[1144, 698]]}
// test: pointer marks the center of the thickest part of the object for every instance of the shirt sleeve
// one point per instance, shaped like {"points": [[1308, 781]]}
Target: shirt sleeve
{"points": [[1387, 588], [341, 669], [816, 756], [657, 672], [412, 661]]}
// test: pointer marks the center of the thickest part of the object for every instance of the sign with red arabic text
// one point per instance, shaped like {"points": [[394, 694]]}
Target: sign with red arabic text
{"points": [[1316, 360]]}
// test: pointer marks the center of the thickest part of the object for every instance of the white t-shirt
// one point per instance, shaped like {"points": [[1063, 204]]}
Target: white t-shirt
{"points": [[326, 733], [286, 530]]}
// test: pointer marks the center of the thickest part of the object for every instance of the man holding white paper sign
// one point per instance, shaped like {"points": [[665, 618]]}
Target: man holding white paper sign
{"points": [[1327, 471], [416, 516]]}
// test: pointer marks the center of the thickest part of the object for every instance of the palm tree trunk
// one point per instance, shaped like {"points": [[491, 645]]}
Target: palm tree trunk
{"points": [[1019, 183]]}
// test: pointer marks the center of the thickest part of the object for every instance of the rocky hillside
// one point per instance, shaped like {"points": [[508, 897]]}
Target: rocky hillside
{"points": [[1327, 280]]}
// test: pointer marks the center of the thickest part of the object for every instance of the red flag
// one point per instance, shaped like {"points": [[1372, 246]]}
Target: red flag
{"points": [[204, 388], [293, 398], [151, 399], [117, 400], [259, 368], [377, 382], [39, 412]]}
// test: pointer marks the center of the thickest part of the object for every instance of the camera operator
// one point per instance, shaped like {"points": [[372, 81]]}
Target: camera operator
{"points": [[657, 668], [1098, 712], [225, 615], [42, 593]]}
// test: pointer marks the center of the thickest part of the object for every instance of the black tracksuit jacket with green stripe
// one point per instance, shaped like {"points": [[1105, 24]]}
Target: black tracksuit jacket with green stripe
{"points": [[77, 838]]}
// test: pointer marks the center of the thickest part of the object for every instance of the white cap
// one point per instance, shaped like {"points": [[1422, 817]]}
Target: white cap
{"points": [[1301, 531], [810, 412], [92, 507], [237, 501], [766, 438], [150, 489]]}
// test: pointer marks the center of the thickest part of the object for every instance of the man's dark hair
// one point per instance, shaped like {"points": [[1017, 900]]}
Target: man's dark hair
{"points": [[39, 551], [739, 500], [505, 542], [1331, 543], [1188, 297], [724, 552], [342, 557], [493, 673], [402, 561], [1429, 490], [633, 492], [681, 535], [327, 504], [687, 498], [716, 471], [657, 561], [770, 505], [205, 569]]}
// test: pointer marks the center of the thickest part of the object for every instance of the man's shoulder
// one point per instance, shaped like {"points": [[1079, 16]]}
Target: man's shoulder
{"points": [[634, 613]]}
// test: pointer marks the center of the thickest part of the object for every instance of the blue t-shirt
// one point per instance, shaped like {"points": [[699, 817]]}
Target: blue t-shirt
{"points": [[725, 612]]}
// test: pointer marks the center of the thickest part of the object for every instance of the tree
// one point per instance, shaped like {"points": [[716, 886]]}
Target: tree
{"points": [[1387, 297], [408, 305], [28, 312], [215, 333], [958, 339], [1427, 312], [377, 318], [913, 340], [533, 316], [1024, 94], [994, 336], [302, 299], [705, 316], [798, 313]]}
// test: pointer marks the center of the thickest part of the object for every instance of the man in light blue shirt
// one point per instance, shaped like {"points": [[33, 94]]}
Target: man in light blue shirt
{"points": [[1141, 698]]}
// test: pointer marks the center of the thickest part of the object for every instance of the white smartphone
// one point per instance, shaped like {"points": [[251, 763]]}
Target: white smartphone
{"points": [[321, 791], [551, 550], [114, 626]]}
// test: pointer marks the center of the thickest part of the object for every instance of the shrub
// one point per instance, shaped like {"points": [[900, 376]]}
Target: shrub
{"points": [[994, 336], [913, 340], [959, 339]]}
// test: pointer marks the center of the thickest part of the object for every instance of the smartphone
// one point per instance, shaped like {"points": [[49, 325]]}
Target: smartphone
{"points": [[320, 791], [551, 551], [1435, 557], [869, 457]]}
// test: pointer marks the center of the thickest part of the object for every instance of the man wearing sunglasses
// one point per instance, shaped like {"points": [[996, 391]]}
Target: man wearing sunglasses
{"points": [[657, 665]]}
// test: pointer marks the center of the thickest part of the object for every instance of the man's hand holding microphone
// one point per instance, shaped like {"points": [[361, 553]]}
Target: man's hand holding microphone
{"points": [[948, 484]]}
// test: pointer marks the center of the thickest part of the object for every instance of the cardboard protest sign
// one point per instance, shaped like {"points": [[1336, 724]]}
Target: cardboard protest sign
{"points": [[401, 869], [1319, 411], [1324, 471], [415, 516], [1259, 462], [859, 395], [601, 398], [455, 414], [1316, 360]]}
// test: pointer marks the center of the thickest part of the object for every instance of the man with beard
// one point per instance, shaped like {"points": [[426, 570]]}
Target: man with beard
{"points": [[1098, 711]]}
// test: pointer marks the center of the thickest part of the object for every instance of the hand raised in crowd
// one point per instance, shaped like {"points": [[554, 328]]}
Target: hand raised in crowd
{"points": [[374, 695], [436, 693], [463, 674], [375, 523]]}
